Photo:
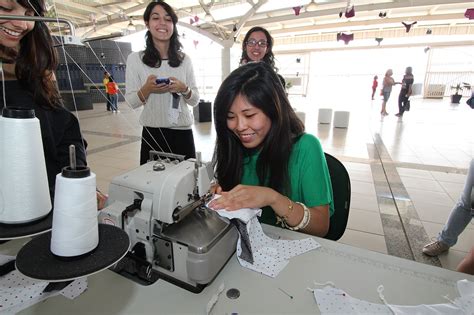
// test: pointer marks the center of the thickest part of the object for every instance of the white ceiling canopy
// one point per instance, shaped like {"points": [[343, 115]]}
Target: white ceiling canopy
{"points": [[228, 20]]}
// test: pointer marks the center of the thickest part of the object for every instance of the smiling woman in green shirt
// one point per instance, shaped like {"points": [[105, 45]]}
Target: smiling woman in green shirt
{"points": [[263, 157]]}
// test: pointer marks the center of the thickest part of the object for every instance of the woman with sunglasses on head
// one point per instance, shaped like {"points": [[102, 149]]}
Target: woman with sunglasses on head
{"points": [[264, 159], [28, 61], [161, 78], [257, 46]]}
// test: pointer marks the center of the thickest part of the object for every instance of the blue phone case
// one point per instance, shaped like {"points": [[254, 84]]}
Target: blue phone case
{"points": [[162, 80]]}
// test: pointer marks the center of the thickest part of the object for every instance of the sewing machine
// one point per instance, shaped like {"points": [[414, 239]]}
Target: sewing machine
{"points": [[173, 236]]}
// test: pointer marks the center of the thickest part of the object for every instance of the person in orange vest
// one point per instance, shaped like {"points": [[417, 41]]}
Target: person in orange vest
{"points": [[112, 90], [104, 82]]}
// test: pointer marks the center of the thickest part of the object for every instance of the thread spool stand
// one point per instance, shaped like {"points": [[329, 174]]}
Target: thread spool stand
{"points": [[36, 259]]}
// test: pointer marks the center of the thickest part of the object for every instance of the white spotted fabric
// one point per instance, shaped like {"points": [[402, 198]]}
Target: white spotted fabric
{"points": [[335, 301], [18, 292], [270, 256]]}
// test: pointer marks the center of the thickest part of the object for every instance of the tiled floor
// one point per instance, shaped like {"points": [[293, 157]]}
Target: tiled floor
{"points": [[406, 174]]}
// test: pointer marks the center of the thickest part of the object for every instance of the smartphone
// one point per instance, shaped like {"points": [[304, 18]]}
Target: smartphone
{"points": [[162, 80]]}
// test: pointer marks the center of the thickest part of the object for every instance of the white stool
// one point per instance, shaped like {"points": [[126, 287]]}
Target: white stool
{"points": [[301, 116], [341, 119], [324, 115]]}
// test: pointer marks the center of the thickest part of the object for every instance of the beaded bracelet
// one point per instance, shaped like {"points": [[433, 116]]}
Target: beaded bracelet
{"points": [[304, 221]]}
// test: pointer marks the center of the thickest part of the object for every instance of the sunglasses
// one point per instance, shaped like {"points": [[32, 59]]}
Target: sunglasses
{"points": [[260, 43]]}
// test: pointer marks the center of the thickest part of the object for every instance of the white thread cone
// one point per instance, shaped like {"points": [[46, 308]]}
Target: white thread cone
{"points": [[24, 192], [75, 225]]}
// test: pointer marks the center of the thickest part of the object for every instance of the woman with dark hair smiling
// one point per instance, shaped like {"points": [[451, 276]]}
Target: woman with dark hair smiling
{"points": [[161, 78], [264, 159], [28, 61], [257, 46]]}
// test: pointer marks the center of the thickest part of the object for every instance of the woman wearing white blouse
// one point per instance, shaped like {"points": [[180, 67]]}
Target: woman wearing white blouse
{"points": [[166, 118]]}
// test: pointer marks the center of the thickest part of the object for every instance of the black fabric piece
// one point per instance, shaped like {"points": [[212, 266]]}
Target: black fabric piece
{"points": [[7, 267], [470, 102], [244, 240], [408, 26], [56, 286], [36, 261], [350, 13], [345, 37], [59, 129]]}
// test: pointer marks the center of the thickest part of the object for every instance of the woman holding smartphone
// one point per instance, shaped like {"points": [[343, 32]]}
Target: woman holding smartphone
{"points": [[166, 118]]}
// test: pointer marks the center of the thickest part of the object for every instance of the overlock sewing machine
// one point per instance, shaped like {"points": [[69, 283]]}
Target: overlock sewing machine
{"points": [[173, 236]]}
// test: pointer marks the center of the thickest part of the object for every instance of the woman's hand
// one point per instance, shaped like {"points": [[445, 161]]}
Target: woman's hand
{"points": [[177, 86], [101, 199], [243, 196], [215, 189], [150, 86]]}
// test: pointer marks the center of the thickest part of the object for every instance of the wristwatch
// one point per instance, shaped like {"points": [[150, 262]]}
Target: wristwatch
{"points": [[185, 92]]}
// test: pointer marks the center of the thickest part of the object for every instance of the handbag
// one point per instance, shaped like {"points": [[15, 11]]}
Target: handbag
{"points": [[407, 106]]}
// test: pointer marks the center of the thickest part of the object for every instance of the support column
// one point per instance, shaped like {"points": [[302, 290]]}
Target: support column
{"points": [[225, 60]]}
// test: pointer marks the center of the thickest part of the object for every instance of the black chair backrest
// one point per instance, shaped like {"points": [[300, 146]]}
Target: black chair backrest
{"points": [[341, 189]]}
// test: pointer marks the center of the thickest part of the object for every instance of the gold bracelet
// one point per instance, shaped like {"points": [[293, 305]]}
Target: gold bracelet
{"points": [[282, 219], [290, 209]]}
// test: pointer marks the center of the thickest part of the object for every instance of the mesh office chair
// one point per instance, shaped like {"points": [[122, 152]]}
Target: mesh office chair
{"points": [[341, 189]]}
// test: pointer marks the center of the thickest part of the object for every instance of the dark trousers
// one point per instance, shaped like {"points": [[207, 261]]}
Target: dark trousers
{"points": [[402, 102], [167, 140], [109, 103]]}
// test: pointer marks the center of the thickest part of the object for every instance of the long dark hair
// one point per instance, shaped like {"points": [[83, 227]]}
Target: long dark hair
{"points": [[36, 60], [259, 84], [269, 58], [152, 57]]}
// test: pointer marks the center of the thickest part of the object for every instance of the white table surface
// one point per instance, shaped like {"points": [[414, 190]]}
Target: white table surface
{"points": [[357, 271]]}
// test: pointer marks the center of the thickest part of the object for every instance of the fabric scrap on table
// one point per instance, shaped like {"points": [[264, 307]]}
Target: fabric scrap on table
{"points": [[332, 300], [268, 256], [19, 292]]}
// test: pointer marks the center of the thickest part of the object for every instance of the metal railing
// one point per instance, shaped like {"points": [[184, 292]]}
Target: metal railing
{"points": [[440, 84]]}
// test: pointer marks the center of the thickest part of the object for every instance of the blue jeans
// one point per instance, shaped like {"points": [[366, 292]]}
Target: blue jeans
{"points": [[114, 101], [461, 214]]}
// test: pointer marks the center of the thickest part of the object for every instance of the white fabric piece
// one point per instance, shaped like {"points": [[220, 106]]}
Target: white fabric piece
{"points": [[270, 255], [335, 301], [19, 292], [214, 298], [465, 287], [74, 289], [244, 215]]}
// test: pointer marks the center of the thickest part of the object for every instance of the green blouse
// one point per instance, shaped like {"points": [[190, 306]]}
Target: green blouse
{"points": [[308, 172]]}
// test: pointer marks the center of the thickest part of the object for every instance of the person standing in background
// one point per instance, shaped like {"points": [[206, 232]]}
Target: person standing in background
{"points": [[112, 91], [375, 83], [461, 215], [166, 118], [105, 80], [388, 83], [257, 46], [405, 92]]}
